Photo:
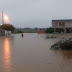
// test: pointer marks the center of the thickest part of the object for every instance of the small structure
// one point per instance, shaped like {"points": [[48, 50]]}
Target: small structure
{"points": [[41, 30], [7, 32], [4, 32], [64, 24]]}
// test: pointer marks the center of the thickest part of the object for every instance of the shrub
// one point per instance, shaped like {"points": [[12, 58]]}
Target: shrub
{"points": [[49, 30], [19, 31], [65, 44], [52, 37]]}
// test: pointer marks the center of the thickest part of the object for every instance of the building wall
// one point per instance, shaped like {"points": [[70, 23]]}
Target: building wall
{"points": [[2, 32], [7, 32], [58, 24], [41, 30], [68, 24], [55, 24], [64, 24]]}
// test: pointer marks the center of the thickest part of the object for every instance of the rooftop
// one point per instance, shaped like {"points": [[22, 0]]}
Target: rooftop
{"points": [[63, 20]]}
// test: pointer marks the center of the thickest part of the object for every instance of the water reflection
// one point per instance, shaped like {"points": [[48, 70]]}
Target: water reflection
{"points": [[7, 55], [67, 54], [32, 54]]}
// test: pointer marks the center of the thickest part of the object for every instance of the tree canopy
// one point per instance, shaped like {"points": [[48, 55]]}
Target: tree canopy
{"points": [[49, 30], [8, 27]]}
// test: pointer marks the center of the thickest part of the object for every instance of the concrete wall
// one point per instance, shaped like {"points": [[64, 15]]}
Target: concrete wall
{"points": [[7, 32], [68, 24], [41, 30], [56, 25], [63, 25], [2, 32]]}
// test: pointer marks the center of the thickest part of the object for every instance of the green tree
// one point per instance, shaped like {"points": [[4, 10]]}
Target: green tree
{"points": [[49, 30], [19, 31], [8, 27]]}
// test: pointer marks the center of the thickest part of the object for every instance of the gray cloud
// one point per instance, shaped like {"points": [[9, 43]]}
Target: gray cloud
{"points": [[35, 13]]}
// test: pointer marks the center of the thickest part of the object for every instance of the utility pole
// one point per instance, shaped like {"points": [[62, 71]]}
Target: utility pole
{"points": [[2, 18]]}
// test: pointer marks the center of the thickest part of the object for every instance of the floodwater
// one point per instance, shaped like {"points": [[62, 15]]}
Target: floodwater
{"points": [[32, 54]]}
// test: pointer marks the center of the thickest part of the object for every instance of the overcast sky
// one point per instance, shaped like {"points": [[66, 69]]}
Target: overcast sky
{"points": [[35, 13]]}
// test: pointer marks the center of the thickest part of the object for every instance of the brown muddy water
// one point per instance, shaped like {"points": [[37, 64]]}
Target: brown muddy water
{"points": [[32, 54]]}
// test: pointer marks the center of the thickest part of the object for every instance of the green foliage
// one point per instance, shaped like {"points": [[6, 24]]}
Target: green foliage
{"points": [[49, 30], [8, 27], [65, 44], [19, 31]]}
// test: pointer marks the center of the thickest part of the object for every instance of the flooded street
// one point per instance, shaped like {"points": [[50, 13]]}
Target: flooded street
{"points": [[32, 54]]}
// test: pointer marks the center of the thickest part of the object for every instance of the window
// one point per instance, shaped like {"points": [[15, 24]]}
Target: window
{"points": [[55, 24], [61, 24]]}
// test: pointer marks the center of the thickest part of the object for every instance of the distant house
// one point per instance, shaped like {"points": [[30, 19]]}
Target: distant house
{"points": [[65, 24], [7, 32], [41, 30], [4, 32]]}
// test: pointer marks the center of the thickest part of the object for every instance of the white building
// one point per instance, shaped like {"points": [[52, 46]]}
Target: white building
{"points": [[63, 24], [4, 32]]}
